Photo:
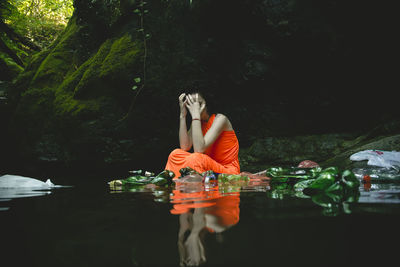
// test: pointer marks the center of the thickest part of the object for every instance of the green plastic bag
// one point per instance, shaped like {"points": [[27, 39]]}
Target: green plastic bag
{"points": [[279, 174], [141, 178], [350, 181]]}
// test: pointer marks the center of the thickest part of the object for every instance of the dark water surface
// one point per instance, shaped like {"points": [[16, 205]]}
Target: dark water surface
{"points": [[89, 225]]}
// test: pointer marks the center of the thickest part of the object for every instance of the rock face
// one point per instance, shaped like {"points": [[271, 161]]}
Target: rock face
{"points": [[326, 150], [389, 143], [106, 90], [289, 151]]}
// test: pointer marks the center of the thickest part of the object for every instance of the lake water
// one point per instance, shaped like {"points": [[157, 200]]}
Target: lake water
{"points": [[90, 225]]}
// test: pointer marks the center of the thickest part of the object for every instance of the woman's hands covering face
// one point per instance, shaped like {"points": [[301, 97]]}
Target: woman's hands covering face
{"points": [[194, 105]]}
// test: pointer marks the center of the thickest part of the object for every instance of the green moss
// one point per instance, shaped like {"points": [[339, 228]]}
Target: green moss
{"points": [[36, 60], [116, 60], [10, 63], [70, 82], [58, 61], [64, 94], [122, 55], [83, 90], [68, 36], [37, 101], [66, 104], [51, 71], [91, 71], [24, 79]]}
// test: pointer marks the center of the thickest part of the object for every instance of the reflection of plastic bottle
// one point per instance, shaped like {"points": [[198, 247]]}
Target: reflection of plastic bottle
{"points": [[367, 182], [366, 179], [377, 174]]}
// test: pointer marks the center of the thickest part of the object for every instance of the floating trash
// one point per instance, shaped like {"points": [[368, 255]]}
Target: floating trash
{"points": [[377, 174], [15, 186]]}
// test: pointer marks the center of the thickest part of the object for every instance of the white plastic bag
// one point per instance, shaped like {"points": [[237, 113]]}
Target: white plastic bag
{"points": [[380, 158], [15, 186], [15, 181]]}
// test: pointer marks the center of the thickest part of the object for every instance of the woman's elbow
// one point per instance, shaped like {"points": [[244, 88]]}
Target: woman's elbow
{"points": [[186, 148], [199, 149]]}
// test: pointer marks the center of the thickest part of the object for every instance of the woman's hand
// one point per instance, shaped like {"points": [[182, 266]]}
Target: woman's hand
{"points": [[194, 107], [182, 105]]}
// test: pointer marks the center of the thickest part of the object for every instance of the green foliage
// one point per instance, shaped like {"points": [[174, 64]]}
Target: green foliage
{"points": [[40, 20], [29, 25]]}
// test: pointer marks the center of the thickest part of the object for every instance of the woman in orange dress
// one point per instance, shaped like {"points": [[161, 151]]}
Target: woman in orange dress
{"points": [[214, 142]]}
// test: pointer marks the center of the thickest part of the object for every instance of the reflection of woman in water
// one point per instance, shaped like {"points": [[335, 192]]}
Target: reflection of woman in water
{"points": [[212, 212]]}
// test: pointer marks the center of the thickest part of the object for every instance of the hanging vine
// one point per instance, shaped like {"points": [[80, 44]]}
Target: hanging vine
{"points": [[140, 82]]}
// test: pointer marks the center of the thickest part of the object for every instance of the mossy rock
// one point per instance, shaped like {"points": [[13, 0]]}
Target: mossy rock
{"points": [[9, 70], [106, 73], [67, 103], [116, 62], [289, 151]]}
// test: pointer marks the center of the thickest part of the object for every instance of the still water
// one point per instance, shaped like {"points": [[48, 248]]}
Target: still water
{"points": [[91, 225]]}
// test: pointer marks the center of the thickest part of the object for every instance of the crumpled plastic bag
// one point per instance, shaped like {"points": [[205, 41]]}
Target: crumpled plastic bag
{"points": [[15, 186], [379, 158], [16, 181]]}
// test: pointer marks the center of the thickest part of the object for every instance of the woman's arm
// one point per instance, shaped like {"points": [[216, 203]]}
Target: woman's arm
{"points": [[220, 123], [200, 142], [185, 136]]}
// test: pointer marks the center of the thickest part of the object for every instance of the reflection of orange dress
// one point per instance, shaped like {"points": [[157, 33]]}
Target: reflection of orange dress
{"points": [[220, 157], [224, 207]]}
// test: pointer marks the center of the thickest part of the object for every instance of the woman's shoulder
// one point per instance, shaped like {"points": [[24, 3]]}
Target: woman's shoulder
{"points": [[220, 116], [223, 118]]}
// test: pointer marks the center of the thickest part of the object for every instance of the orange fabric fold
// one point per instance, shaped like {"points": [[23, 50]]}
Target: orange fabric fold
{"points": [[220, 157]]}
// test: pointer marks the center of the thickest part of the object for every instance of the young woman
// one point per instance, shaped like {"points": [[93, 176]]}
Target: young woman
{"points": [[214, 142]]}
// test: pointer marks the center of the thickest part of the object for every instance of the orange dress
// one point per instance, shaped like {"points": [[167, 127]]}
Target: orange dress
{"points": [[220, 157]]}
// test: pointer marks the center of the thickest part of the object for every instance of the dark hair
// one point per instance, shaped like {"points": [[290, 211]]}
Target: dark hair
{"points": [[206, 88], [208, 97]]}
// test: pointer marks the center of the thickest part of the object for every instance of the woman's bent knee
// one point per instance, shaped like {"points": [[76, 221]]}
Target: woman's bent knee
{"points": [[178, 154], [195, 156]]}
